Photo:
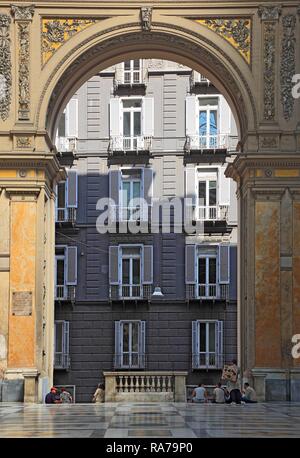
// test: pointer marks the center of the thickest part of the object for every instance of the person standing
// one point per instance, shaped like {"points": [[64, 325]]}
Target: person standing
{"points": [[65, 396], [99, 395], [233, 383]]}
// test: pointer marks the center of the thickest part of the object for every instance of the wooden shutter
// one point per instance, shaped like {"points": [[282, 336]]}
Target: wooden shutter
{"points": [[118, 343], [66, 337], [224, 116], [190, 264], [142, 344], [190, 184], [233, 273], [72, 118], [195, 345], [219, 345], [115, 122], [147, 264], [71, 265], [148, 185], [148, 116], [72, 189], [114, 192], [192, 119], [223, 187], [114, 265], [224, 264]]}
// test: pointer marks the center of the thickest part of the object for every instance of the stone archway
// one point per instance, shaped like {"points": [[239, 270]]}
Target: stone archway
{"points": [[57, 50]]}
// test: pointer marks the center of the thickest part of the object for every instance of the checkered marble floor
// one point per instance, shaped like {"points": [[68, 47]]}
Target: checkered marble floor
{"points": [[154, 420]]}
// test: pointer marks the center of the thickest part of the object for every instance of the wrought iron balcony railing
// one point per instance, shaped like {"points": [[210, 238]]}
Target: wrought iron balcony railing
{"points": [[127, 292], [66, 215], [136, 143], [64, 293], [207, 291], [61, 360]]}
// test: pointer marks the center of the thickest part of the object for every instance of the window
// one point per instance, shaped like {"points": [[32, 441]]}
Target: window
{"points": [[207, 344], [66, 198], [132, 122], [131, 272], [61, 345], [60, 273], [65, 272], [132, 71], [131, 193], [208, 122], [130, 344], [207, 195], [207, 276]]}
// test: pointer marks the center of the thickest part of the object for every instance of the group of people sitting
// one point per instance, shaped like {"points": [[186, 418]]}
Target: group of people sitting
{"points": [[58, 397], [222, 395]]}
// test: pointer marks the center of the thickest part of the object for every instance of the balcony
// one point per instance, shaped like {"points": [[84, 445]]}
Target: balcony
{"points": [[66, 144], [207, 360], [65, 215], [130, 292], [207, 292], [196, 79], [212, 213], [64, 293], [133, 144], [61, 361], [211, 143], [129, 361], [154, 386]]}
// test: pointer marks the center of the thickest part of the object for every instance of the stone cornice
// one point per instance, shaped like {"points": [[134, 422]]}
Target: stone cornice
{"points": [[242, 163]]}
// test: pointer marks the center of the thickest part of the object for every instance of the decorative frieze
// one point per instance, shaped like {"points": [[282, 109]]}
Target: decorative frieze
{"points": [[146, 18], [5, 66], [55, 32], [269, 142], [287, 68], [23, 16], [269, 70], [237, 31], [23, 142]]}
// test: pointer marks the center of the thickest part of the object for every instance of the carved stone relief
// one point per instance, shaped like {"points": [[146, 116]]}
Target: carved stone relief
{"points": [[269, 12], [287, 68], [146, 18], [23, 13], [236, 31], [269, 70], [5, 66]]}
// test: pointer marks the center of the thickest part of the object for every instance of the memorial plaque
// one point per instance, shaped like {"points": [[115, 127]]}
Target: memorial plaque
{"points": [[22, 303]]}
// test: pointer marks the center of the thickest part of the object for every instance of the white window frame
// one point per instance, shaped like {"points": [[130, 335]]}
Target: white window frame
{"points": [[207, 212], [131, 211], [208, 108], [218, 358], [132, 73], [132, 287], [130, 353], [61, 210], [131, 142], [57, 258], [65, 353]]}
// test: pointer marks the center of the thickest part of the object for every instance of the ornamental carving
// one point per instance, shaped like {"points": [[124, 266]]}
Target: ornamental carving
{"points": [[23, 142], [23, 13], [24, 65], [269, 142], [236, 31], [55, 32], [269, 70], [269, 12], [5, 66], [146, 18], [287, 68]]}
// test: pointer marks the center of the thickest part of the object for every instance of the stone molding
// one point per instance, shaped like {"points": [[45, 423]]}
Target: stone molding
{"points": [[269, 34]]}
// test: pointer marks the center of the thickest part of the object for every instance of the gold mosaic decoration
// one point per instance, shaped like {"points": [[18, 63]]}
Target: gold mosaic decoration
{"points": [[236, 31], [55, 32]]}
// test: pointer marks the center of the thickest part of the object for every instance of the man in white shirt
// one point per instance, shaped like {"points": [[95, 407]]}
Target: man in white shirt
{"points": [[249, 394], [199, 394], [219, 395]]}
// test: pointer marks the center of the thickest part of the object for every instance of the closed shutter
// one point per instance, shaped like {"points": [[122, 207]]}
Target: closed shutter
{"points": [[223, 187], [118, 344], [62, 125], [114, 193], [142, 344], [233, 273], [66, 337], [148, 264], [224, 117], [115, 124], [148, 116], [190, 264], [219, 345], [192, 119], [224, 268], [190, 184], [72, 189], [148, 185], [195, 346], [114, 265], [72, 118], [71, 265]]}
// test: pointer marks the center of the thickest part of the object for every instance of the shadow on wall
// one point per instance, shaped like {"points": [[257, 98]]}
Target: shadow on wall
{"points": [[11, 390]]}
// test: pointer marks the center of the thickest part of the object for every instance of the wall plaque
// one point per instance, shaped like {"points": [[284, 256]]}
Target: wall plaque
{"points": [[22, 303]]}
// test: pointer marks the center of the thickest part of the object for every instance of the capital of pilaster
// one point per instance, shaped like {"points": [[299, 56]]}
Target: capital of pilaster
{"points": [[269, 12], [22, 12]]}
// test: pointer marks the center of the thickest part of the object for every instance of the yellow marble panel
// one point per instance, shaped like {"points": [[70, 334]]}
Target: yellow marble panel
{"points": [[22, 278], [281, 173], [267, 285], [7, 173]]}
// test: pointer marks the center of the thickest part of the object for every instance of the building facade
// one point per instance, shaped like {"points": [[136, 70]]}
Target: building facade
{"points": [[156, 131]]}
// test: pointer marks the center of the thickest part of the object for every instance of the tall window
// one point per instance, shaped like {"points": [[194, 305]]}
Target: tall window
{"points": [[61, 344], [60, 272], [208, 122], [207, 195], [207, 275], [132, 122], [61, 202], [130, 344], [131, 194], [207, 344], [131, 272], [132, 71]]}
